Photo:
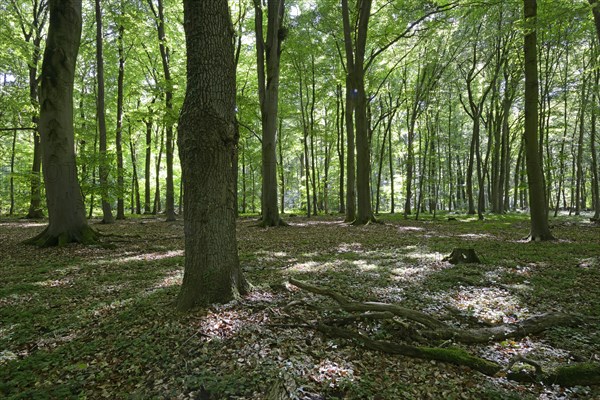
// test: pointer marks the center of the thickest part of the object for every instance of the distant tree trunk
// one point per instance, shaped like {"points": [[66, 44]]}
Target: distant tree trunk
{"points": [[305, 135], [580, 142], [165, 58], [244, 201], [339, 126], [12, 173], [157, 206], [311, 118], [281, 168], [93, 191], [147, 206], [410, 162], [538, 216], [206, 140], [66, 212], [107, 217], [595, 173], [391, 165], [268, 58], [119, 136], [136, 182], [32, 33]]}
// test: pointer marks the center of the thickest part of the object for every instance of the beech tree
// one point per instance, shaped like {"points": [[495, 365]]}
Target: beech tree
{"points": [[207, 137], [268, 53], [535, 178], [66, 213]]}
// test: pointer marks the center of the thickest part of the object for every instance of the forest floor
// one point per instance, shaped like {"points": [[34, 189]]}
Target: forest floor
{"points": [[94, 322]]}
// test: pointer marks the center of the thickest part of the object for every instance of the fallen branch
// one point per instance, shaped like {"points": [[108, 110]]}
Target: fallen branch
{"points": [[438, 330], [576, 374]]}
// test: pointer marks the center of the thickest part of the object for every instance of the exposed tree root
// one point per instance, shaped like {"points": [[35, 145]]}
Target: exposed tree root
{"points": [[430, 328], [86, 236]]}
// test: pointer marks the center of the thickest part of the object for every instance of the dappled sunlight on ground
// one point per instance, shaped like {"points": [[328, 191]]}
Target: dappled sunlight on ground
{"points": [[64, 282], [332, 373], [138, 257], [171, 278], [488, 304], [21, 225], [349, 247], [475, 236]]}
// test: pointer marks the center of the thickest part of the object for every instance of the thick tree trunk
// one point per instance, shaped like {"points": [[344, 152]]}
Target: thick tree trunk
{"points": [[268, 57], [119, 135], [538, 216], [107, 216], [206, 140], [66, 212]]}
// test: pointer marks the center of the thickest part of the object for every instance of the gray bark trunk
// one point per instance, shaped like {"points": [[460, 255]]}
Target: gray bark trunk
{"points": [[66, 212], [107, 216], [206, 140], [535, 179]]}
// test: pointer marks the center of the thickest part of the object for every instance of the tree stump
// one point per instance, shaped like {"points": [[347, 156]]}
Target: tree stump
{"points": [[462, 256]]}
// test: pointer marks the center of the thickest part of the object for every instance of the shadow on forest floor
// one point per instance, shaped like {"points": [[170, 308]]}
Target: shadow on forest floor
{"points": [[94, 322]]}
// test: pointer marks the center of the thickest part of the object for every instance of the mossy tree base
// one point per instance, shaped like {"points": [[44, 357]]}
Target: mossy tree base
{"points": [[428, 329], [85, 235]]}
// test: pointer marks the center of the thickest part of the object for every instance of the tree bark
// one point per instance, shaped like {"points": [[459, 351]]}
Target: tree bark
{"points": [[206, 140], [107, 217], [147, 206], [268, 56], [165, 58], [66, 212], [119, 133], [535, 179], [596, 12]]}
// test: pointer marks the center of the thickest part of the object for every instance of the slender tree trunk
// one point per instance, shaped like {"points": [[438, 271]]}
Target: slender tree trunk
{"points": [[32, 33], [281, 167], [93, 191], [66, 212], [351, 94], [339, 125], [136, 183], [107, 217], [391, 165], [147, 206], [594, 166], [119, 136], [157, 207], [206, 140], [580, 142], [159, 16], [539, 221], [12, 173]]}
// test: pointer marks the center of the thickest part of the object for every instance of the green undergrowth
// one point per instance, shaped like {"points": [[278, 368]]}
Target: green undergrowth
{"points": [[93, 322]]}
